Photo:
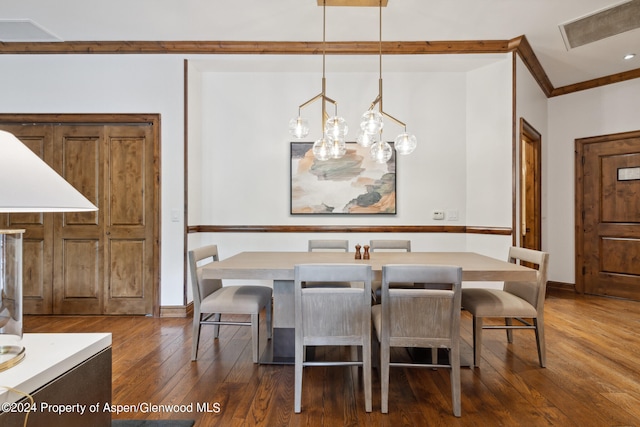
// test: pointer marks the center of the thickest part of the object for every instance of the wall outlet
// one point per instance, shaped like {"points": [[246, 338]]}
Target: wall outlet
{"points": [[438, 215], [452, 215]]}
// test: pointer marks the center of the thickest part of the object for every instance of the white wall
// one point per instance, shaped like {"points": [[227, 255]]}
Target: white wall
{"points": [[113, 84], [246, 144], [606, 110], [245, 151], [488, 158]]}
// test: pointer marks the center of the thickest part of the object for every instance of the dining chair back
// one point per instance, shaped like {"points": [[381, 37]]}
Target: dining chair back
{"points": [[211, 300], [332, 316], [390, 245], [419, 318], [519, 301], [328, 245]]}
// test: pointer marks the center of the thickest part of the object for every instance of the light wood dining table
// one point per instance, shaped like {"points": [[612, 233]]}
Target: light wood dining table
{"points": [[279, 268]]}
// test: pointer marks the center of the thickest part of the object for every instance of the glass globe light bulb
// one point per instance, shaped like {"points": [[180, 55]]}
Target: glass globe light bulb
{"points": [[365, 139], [371, 122], [321, 149], [299, 127], [405, 143], [338, 148], [336, 127], [381, 152]]}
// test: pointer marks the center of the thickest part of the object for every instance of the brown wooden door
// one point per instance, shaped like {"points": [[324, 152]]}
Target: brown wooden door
{"points": [[103, 262], [608, 221], [530, 189]]}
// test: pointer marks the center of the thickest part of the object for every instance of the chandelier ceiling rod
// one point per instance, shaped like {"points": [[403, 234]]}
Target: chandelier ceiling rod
{"points": [[378, 99], [334, 129]]}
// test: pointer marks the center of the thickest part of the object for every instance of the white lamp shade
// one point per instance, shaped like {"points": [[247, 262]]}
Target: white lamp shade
{"points": [[28, 184]]}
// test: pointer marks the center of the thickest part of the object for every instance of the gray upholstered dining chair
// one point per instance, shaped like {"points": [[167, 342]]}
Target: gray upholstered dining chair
{"points": [[211, 300], [332, 316], [518, 301], [420, 318]]}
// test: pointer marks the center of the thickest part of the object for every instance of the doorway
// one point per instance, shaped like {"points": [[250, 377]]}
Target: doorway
{"points": [[608, 215], [530, 187]]}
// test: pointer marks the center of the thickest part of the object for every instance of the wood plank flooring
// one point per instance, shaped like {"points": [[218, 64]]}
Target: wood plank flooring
{"points": [[592, 376]]}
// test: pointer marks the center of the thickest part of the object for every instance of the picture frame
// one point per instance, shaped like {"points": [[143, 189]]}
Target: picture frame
{"points": [[354, 184]]}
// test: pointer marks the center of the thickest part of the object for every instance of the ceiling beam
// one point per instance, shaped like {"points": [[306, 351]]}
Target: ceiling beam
{"points": [[520, 45], [256, 47]]}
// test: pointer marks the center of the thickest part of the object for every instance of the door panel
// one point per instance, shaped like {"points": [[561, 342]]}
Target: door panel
{"points": [[610, 243], [127, 269], [81, 278], [129, 220], [78, 272]]}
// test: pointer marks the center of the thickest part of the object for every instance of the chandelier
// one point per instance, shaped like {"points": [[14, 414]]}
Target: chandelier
{"points": [[373, 121], [332, 144]]}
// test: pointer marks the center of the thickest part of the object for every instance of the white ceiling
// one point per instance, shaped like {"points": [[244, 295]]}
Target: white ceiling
{"points": [[301, 20]]}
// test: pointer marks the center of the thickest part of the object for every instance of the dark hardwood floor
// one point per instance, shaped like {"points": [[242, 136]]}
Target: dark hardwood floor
{"points": [[592, 376]]}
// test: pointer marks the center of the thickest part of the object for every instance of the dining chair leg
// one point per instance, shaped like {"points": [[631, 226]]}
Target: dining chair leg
{"points": [[384, 379], [454, 360], [366, 367], [255, 336], [297, 387], [216, 328], [355, 353], [477, 340], [269, 315], [195, 336], [542, 350], [508, 322]]}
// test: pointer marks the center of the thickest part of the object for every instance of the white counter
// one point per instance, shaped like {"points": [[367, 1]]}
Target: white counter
{"points": [[49, 356]]}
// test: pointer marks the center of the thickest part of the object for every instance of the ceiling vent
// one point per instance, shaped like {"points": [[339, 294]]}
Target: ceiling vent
{"points": [[602, 24], [24, 30]]}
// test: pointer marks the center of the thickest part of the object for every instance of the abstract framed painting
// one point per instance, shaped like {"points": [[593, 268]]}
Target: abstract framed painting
{"points": [[352, 185]]}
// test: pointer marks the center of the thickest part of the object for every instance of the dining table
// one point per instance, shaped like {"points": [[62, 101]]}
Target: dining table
{"points": [[278, 267]]}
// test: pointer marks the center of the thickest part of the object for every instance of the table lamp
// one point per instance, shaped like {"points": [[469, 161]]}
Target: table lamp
{"points": [[27, 184]]}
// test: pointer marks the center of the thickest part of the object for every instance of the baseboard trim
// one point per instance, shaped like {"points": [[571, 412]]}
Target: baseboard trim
{"points": [[561, 286], [177, 310]]}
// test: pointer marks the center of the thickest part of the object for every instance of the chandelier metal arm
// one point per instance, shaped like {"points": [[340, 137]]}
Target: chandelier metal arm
{"points": [[311, 101], [398, 122], [378, 101]]}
